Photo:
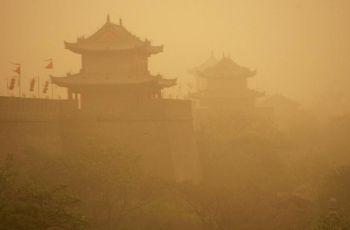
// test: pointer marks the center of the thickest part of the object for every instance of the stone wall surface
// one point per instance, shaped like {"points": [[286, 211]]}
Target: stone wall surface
{"points": [[160, 131]]}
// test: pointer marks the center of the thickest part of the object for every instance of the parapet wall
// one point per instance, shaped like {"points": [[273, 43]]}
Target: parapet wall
{"points": [[32, 109], [143, 110]]}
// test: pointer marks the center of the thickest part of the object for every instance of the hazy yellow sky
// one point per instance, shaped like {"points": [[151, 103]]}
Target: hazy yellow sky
{"points": [[300, 47]]}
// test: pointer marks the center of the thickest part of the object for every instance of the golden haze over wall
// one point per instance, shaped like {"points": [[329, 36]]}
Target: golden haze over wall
{"points": [[300, 48]]}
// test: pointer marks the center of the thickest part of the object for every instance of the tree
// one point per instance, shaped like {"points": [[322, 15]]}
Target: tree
{"points": [[112, 182], [336, 186], [332, 221], [27, 206]]}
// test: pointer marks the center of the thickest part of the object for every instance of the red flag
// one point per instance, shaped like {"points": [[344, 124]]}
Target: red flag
{"points": [[18, 68], [32, 85], [12, 84], [46, 87], [50, 65]]}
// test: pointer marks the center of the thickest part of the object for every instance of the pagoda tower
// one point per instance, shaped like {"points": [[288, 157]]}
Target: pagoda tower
{"points": [[121, 105], [226, 86], [114, 69], [200, 82]]}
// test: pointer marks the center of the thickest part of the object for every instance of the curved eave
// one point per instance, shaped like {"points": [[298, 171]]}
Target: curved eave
{"points": [[70, 82], [59, 81], [79, 49], [258, 93], [166, 83], [73, 47], [155, 49], [226, 75], [248, 93]]}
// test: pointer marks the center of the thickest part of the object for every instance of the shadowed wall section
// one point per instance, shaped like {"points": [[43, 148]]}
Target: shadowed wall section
{"points": [[160, 131]]}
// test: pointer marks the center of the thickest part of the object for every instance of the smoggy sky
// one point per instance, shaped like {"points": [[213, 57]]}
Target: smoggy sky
{"points": [[301, 48]]}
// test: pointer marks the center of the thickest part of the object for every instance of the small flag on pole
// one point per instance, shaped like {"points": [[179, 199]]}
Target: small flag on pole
{"points": [[18, 68], [46, 87], [50, 64], [12, 84]]}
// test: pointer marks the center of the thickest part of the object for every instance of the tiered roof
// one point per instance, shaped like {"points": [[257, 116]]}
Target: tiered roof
{"points": [[112, 37], [226, 67], [241, 94], [211, 61], [223, 69]]}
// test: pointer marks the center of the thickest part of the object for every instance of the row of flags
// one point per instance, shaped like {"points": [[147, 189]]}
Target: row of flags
{"points": [[17, 69], [12, 84], [33, 82]]}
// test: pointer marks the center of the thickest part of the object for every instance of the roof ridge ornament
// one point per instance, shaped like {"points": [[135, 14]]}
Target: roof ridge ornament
{"points": [[108, 18], [120, 21]]}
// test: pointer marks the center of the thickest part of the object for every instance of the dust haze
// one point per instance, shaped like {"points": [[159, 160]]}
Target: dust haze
{"points": [[167, 114], [300, 48]]}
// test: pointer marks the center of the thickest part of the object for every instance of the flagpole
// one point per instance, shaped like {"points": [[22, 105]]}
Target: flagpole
{"points": [[50, 66], [52, 91], [7, 88], [38, 86], [19, 85]]}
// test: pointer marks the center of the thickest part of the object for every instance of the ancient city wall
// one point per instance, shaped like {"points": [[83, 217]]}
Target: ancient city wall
{"points": [[159, 130]]}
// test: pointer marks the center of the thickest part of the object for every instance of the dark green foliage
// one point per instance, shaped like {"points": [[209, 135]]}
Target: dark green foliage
{"points": [[332, 221], [26, 206], [255, 177], [337, 186], [113, 184]]}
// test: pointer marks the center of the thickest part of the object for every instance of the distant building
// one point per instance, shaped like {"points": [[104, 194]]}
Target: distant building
{"points": [[224, 95], [200, 82], [226, 86]]}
